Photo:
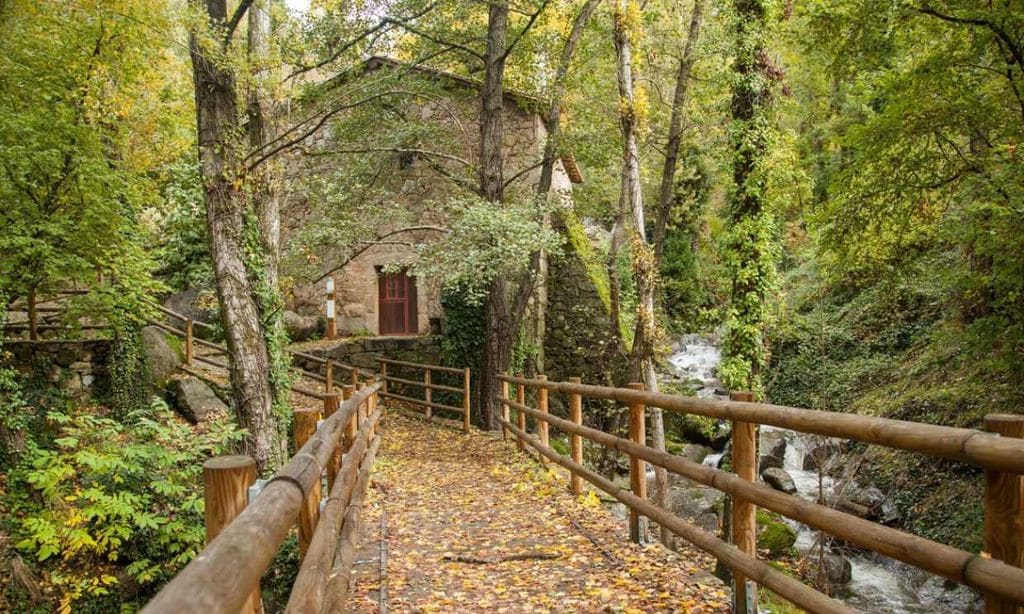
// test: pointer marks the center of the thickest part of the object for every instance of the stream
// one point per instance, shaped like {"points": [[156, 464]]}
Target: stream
{"points": [[878, 585]]}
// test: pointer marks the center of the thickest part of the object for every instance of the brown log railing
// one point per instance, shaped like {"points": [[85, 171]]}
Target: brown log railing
{"points": [[427, 385], [1000, 452], [328, 379], [242, 538]]}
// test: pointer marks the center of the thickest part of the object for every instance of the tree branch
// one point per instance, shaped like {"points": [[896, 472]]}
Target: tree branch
{"points": [[378, 240], [526, 28], [232, 24]]}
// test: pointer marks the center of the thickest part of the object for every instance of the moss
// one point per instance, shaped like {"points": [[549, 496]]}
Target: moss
{"points": [[774, 535], [583, 248]]}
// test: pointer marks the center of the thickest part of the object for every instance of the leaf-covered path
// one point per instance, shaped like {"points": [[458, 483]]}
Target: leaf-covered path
{"points": [[471, 525]]}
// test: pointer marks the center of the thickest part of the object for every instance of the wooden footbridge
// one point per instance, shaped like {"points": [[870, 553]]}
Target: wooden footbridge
{"points": [[322, 490]]}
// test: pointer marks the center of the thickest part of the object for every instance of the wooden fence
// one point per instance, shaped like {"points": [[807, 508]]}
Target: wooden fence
{"points": [[244, 535], [331, 367], [428, 386], [996, 572]]}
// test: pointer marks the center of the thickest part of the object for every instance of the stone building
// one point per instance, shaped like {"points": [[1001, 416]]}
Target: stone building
{"points": [[375, 296]]}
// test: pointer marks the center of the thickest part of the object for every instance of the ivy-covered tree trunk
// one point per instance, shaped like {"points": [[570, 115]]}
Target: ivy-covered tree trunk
{"points": [[641, 363], [229, 229], [750, 254], [500, 325]]}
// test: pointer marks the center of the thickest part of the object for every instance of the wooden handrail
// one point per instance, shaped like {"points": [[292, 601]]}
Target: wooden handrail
{"points": [[969, 445], [222, 576], [425, 385], [988, 575], [416, 365], [432, 404], [310, 585], [786, 586]]}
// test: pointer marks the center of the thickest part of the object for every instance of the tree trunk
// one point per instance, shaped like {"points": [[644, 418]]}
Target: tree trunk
{"points": [[498, 342], [666, 196], [552, 125], [262, 129], [745, 354], [641, 363], [217, 122], [665, 200]]}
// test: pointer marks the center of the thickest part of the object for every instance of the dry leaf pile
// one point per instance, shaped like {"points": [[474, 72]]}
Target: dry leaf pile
{"points": [[472, 525]]}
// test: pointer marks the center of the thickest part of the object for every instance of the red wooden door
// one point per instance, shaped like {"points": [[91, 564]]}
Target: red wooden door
{"points": [[397, 304]]}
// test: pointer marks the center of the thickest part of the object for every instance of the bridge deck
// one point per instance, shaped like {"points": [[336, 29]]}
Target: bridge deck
{"points": [[472, 525]]}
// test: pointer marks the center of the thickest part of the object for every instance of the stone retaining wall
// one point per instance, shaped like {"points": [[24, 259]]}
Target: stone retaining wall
{"points": [[81, 365], [363, 352]]}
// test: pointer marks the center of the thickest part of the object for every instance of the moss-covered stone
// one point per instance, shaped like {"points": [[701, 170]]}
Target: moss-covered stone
{"points": [[774, 535]]}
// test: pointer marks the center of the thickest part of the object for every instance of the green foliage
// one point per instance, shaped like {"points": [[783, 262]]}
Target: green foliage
{"points": [[486, 241], [78, 144], [184, 250], [109, 496], [464, 330]]}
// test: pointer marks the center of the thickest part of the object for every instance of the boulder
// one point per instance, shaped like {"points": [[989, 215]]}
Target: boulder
{"points": [[705, 431], [775, 456], [194, 399], [192, 304], [779, 480], [838, 569], [818, 456], [774, 535], [872, 501], [161, 354], [692, 451], [300, 327]]}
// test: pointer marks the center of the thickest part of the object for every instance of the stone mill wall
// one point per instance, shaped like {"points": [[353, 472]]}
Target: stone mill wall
{"points": [[577, 339]]}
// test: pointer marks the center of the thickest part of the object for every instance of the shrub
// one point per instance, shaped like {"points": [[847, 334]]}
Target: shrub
{"points": [[113, 502]]}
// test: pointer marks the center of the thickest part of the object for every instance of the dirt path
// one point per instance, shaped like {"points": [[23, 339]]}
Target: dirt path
{"points": [[474, 526]]}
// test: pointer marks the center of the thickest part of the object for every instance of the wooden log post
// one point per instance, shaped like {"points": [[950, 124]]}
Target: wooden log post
{"points": [[576, 441], [520, 416], [305, 427], [355, 376], [1004, 512], [226, 481], [352, 428], [33, 316], [427, 393], [744, 513], [383, 375], [637, 467], [332, 320], [189, 348], [543, 429], [371, 405], [332, 401], [465, 399], [328, 376], [504, 408]]}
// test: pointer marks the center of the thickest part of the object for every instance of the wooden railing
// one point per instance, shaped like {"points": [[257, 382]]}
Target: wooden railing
{"points": [[330, 366], [243, 536], [32, 310], [428, 386], [1000, 452]]}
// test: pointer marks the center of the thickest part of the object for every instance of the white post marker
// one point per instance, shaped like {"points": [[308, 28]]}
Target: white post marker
{"points": [[332, 322]]}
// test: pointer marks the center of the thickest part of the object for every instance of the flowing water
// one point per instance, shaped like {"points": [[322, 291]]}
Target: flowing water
{"points": [[878, 585]]}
